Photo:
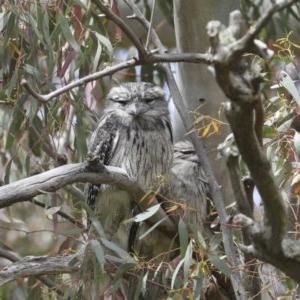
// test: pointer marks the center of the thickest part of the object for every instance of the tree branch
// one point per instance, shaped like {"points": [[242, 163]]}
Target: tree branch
{"points": [[240, 83], [16, 258], [151, 59], [38, 266], [119, 22], [50, 181]]}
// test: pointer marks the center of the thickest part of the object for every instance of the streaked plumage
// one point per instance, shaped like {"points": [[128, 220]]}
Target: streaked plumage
{"points": [[134, 133], [184, 195], [189, 185]]}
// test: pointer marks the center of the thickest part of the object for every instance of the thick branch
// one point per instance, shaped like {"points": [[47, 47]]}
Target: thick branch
{"points": [[241, 86], [52, 180], [241, 122]]}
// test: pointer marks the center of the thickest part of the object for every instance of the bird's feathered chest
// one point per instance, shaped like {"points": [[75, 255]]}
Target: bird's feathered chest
{"points": [[141, 146], [143, 149]]}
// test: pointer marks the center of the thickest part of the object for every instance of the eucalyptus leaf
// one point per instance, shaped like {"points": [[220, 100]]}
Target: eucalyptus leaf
{"points": [[220, 265], [52, 210], [65, 27], [148, 213], [287, 82], [183, 237], [99, 252], [117, 250], [174, 276], [119, 275]]}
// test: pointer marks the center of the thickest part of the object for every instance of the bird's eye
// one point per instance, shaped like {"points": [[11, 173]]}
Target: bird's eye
{"points": [[148, 100], [121, 102]]}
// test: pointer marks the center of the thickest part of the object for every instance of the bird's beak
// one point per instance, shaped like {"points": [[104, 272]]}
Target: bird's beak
{"points": [[137, 109], [194, 159]]}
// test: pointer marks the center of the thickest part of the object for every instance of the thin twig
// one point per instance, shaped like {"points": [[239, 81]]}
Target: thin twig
{"points": [[151, 59], [60, 213], [150, 24], [107, 71]]}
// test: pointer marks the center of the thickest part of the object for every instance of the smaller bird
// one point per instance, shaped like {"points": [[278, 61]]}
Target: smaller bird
{"points": [[188, 186], [184, 196]]}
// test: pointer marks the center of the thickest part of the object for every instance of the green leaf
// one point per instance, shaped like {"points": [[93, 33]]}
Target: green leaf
{"points": [[269, 132], [98, 226], [97, 56], [138, 288], [220, 264], [117, 250], [73, 231], [98, 250], [215, 242], [80, 136], [188, 259], [174, 277], [290, 283], [7, 172], [197, 288], [27, 165], [52, 210], [65, 27], [183, 237], [152, 228], [201, 241], [287, 82], [4, 17], [144, 215], [119, 275], [47, 37], [16, 121], [30, 20], [33, 71]]}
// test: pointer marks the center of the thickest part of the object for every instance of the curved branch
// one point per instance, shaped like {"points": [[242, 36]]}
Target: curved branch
{"points": [[16, 258], [263, 21], [107, 71], [151, 59], [241, 86], [38, 266], [50, 181]]}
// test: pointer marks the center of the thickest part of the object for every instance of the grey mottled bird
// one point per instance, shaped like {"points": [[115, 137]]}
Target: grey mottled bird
{"points": [[189, 187], [134, 133], [184, 195]]}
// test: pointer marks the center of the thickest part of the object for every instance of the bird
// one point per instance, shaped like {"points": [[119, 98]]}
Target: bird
{"points": [[135, 134], [184, 196], [188, 186]]}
